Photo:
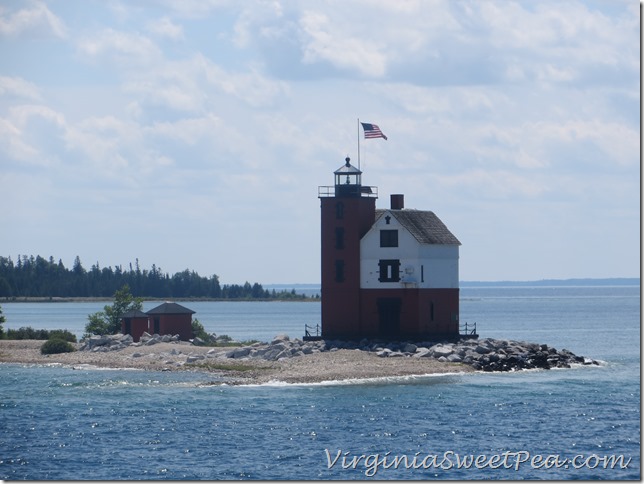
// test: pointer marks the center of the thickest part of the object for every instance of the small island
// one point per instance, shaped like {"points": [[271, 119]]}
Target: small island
{"points": [[297, 361]]}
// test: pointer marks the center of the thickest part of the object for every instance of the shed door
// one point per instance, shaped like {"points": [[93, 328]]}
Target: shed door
{"points": [[389, 316]]}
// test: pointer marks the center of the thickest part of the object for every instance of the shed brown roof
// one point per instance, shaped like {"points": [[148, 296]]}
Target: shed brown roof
{"points": [[170, 308], [424, 225]]}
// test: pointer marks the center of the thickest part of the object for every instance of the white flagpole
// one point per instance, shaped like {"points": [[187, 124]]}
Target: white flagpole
{"points": [[358, 143]]}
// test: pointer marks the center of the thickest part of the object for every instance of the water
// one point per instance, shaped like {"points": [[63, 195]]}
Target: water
{"points": [[240, 320], [59, 423]]}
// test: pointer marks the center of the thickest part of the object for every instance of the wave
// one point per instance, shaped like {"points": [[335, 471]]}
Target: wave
{"points": [[380, 380]]}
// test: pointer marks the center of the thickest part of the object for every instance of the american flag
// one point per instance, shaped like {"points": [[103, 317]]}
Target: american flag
{"points": [[372, 131]]}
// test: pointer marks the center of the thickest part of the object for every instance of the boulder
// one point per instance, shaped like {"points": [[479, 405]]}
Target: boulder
{"points": [[482, 350], [239, 352], [153, 340], [422, 353], [272, 353], [410, 348], [439, 350], [193, 358], [280, 338], [127, 339], [95, 341]]}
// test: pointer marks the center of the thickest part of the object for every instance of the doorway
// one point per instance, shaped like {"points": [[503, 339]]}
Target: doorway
{"points": [[389, 316]]}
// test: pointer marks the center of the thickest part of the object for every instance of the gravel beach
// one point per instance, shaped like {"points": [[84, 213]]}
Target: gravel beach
{"points": [[343, 364]]}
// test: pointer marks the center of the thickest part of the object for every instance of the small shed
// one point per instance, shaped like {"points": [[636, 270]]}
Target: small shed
{"points": [[134, 323], [171, 318]]}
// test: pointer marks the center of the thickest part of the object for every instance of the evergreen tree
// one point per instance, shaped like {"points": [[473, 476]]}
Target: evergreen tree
{"points": [[40, 277]]}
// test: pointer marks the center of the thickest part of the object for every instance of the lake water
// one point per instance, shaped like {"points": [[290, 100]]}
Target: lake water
{"points": [[581, 423]]}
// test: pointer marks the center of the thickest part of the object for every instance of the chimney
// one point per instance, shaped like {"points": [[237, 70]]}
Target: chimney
{"points": [[397, 201]]}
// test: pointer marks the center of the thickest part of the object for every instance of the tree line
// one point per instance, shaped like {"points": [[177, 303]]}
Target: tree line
{"points": [[36, 276]]}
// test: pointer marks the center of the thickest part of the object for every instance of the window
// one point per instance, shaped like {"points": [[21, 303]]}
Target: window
{"points": [[339, 270], [389, 270], [388, 238], [339, 210], [339, 238]]}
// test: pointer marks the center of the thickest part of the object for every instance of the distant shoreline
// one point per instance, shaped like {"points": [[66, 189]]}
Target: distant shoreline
{"points": [[573, 282], [605, 282], [614, 281], [45, 299]]}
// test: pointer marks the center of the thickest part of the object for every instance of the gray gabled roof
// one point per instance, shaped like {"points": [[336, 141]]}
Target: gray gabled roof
{"points": [[170, 308], [424, 225]]}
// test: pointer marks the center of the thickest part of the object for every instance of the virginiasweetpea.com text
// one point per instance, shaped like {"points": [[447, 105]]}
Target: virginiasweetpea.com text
{"points": [[511, 460]]}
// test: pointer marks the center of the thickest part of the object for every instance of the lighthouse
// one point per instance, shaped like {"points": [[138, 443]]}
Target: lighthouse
{"points": [[385, 273], [348, 211]]}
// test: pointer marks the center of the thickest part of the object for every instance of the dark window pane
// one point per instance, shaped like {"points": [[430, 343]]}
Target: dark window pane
{"points": [[339, 238], [388, 238], [389, 270], [339, 271]]}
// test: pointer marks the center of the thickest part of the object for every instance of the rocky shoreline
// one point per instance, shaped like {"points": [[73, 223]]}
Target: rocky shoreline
{"points": [[487, 354], [297, 361]]}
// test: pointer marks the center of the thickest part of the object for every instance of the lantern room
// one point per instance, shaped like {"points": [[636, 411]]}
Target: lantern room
{"points": [[348, 180]]}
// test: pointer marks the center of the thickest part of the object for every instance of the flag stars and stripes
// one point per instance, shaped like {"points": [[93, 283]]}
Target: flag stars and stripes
{"points": [[372, 131]]}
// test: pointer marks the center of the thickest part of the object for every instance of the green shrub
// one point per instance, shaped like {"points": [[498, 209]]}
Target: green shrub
{"points": [[26, 333], [31, 333], [63, 334], [198, 331], [56, 345]]}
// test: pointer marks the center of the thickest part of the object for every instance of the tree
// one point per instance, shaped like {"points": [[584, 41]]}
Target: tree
{"points": [[198, 331], [108, 321], [2, 320]]}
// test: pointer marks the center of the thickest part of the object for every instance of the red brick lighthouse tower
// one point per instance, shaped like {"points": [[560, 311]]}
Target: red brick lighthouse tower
{"points": [[386, 273], [348, 212]]}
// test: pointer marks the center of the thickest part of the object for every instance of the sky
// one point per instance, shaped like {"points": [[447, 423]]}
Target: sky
{"points": [[193, 134]]}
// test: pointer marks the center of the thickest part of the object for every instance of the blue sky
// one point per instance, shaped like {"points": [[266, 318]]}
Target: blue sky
{"points": [[194, 133]]}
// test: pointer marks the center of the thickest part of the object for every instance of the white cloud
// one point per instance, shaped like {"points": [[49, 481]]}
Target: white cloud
{"points": [[132, 49], [21, 114], [165, 27], [251, 86], [15, 146], [322, 42], [36, 18], [15, 86], [226, 116], [24, 129]]}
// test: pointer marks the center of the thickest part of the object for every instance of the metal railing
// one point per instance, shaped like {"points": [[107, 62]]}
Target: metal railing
{"points": [[311, 332], [468, 329], [360, 190]]}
